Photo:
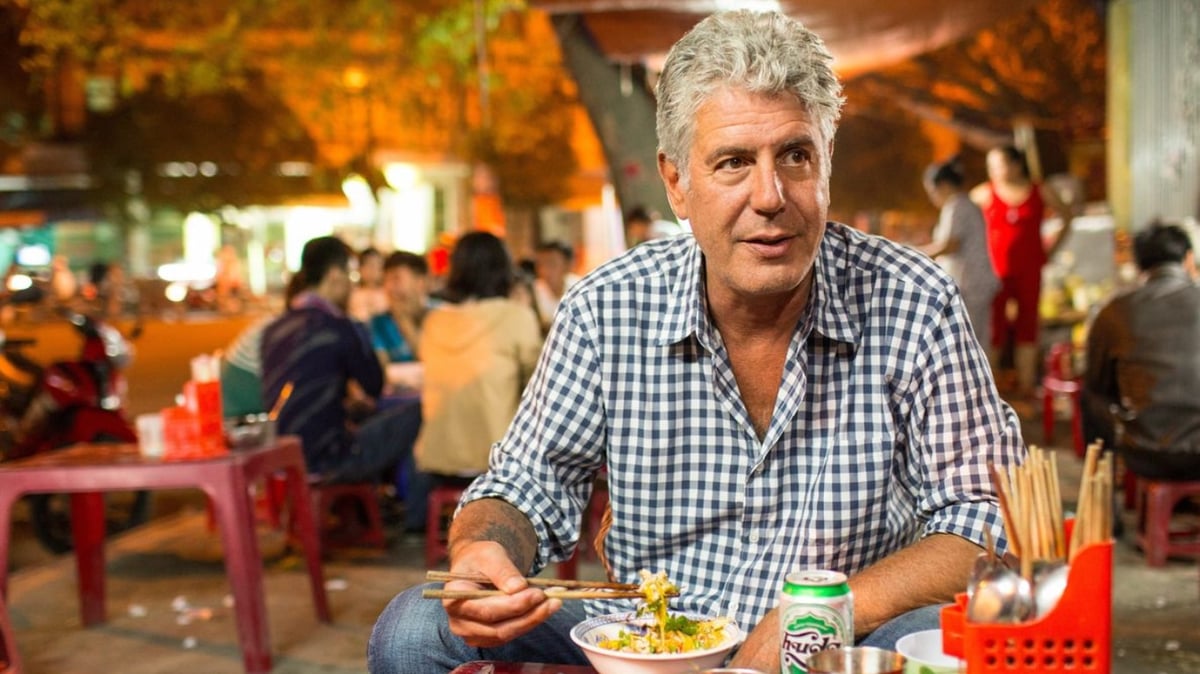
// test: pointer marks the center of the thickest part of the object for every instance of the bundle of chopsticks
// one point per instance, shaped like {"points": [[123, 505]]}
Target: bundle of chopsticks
{"points": [[1031, 503], [555, 588], [1094, 514]]}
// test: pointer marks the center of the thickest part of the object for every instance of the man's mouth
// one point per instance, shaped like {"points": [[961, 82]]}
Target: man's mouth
{"points": [[769, 246]]}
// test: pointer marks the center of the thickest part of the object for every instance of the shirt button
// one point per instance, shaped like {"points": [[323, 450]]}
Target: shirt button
{"points": [[753, 537]]}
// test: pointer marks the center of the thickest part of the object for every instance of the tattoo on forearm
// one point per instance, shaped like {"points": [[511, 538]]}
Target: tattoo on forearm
{"points": [[502, 524]]}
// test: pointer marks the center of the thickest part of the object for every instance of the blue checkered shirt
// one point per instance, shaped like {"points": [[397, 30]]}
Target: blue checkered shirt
{"points": [[884, 423]]}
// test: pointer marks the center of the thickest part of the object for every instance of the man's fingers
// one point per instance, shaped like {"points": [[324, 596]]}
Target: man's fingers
{"points": [[490, 633]]}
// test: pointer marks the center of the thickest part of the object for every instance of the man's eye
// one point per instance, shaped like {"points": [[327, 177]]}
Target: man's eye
{"points": [[732, 164], [796, 157]]}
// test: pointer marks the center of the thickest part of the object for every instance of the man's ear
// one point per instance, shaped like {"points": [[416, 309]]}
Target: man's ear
{"points": [[672, 178]]}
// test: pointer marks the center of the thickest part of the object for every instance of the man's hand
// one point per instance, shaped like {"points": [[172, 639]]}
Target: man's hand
{"points": [[761, 648], [491, 538], [493, 621]]}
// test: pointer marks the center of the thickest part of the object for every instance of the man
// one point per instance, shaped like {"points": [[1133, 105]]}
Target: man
{"points": [[552, 265], [1143, 362], [771, 393], [321, 351], [395, 332]]}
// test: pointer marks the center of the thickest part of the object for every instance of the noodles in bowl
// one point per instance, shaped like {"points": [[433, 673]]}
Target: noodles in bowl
{"points": [[653, 640], [590, 633]]}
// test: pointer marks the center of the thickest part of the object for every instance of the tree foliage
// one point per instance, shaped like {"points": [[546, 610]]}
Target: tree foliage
{"points": [[1045, 66], [419, 85]]}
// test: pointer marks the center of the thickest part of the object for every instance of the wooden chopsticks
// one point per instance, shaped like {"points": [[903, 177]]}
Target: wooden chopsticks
{"points": [[558, 589], [1031, 503], [442, 576], [552, 592]]}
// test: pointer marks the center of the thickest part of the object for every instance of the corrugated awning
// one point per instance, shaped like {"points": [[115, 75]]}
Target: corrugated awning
{"points": [[861, 34]]}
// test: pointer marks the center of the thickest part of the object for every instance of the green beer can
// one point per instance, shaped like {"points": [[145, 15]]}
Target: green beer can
{"points": [[816, 611]]}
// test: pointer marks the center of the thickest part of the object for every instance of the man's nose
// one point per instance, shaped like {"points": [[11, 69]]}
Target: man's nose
{"points": [[767, 196]]}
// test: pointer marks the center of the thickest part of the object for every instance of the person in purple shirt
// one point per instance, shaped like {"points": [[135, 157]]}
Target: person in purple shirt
{"points": [[322, 352]]}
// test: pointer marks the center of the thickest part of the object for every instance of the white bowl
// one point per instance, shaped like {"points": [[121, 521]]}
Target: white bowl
{"points": [[605, 661], [925, 656]]}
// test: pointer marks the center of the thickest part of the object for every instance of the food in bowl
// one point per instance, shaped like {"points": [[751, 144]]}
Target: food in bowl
{"points": [[666, 633], [652, 640], [589, 633]]}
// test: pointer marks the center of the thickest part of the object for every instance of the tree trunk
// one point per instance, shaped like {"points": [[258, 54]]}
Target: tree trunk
{"points": [[623, 119]]}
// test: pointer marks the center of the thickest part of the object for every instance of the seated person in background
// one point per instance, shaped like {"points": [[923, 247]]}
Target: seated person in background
{"points": [[241, 365], [770, 392], [367, 297], [394, 333], [322, 352], [1143, 362], [478, 349], [553, 277]]}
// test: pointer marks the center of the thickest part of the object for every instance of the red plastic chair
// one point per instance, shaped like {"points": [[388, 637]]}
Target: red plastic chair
{"points": [[1058, 380]]}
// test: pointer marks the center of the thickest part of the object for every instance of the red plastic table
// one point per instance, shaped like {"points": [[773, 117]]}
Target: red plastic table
{"points": [[86, 470], [493, 667]]}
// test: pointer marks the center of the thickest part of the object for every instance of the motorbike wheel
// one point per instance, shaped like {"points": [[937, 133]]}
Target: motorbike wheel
{"points": [[51, 515]]}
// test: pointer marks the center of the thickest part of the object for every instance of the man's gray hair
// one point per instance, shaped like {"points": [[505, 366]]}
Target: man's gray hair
{"points": [[761, 52]]}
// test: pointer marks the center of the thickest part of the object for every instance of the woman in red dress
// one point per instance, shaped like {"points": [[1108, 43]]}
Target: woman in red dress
{"points": [[1014, 207]]}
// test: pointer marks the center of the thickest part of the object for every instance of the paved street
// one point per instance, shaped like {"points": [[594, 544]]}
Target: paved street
{"points": [[1155, 611]]}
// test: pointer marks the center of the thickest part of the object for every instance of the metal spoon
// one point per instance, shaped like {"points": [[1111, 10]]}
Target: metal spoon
{"points": [[1001, 596], [984, 563], [1049, 583]]}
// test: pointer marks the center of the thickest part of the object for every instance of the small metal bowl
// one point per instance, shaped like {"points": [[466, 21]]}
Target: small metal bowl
{"points": [[249, 432]]}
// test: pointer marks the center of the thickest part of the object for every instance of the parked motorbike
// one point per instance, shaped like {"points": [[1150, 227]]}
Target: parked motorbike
{"points": [[67, 402]]}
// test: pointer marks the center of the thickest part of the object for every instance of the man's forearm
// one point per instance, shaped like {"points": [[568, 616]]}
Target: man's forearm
{"points": [[491, 519], [928, 572]]}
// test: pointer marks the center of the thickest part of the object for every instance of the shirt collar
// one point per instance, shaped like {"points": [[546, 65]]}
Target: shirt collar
{"points": [[312, 300], [830, 311]]}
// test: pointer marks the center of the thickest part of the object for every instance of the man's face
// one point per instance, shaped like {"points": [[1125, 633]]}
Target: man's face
{"points": [[758, 192], [370, 271], [551, 266], [340, 285], [404, 287]]}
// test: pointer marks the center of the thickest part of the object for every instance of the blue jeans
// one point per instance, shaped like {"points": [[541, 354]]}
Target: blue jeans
{"points": [[383, 441], [412, 636]]}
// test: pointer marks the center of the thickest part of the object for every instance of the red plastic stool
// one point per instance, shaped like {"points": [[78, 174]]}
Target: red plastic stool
{"points": [[442, 501], [10, 660], [1156, 501], [366, 494], [1057, 381]]}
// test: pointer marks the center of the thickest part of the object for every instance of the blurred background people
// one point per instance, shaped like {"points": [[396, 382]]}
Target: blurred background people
{"points": [[637, 226], [1014, 206], [478, 350], [368, 297], [960, 244], [1143, 362], [241, 364], [552, 264], [106, 290], [395, 333], [321, 352], [229, 284], [64, 286]]}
